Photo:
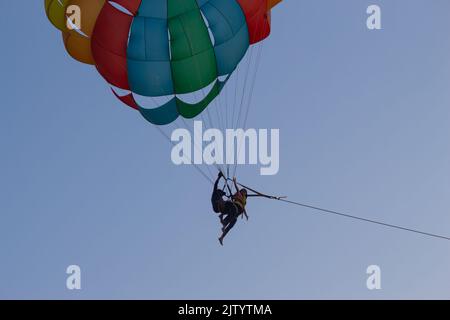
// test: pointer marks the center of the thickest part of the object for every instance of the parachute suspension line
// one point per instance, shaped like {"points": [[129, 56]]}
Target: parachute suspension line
{"points": [[209, 117], [197, 148], [223, 109], [223, 114], [164, 134], [250, 99], [240, 103], [221, 167], [242, 98], [235, 99], [212, 126], [209, 124], [258, 63], [219, 109], [235, 93], [216, 107], [219, 126]]}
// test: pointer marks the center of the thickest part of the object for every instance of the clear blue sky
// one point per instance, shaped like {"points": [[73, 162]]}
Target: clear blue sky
{"points": [[365, 128]]}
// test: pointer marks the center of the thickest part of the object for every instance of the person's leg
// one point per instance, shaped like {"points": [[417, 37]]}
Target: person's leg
{"points": [[227, 229], [221, 208], [229, 212], [227, 219], [230, 220], [222, 220]]}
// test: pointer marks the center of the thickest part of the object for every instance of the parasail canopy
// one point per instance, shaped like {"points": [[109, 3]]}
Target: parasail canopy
{"points": [[167, 50]]}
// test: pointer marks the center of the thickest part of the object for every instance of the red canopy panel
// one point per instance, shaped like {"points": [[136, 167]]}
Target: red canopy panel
{"points": [[109, 44], [258, 19], [127, 99]]}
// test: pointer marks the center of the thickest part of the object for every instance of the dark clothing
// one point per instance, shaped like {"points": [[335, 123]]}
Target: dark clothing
{"points": [[231, 210], [216, 197], [232, 214], [229, 227]]}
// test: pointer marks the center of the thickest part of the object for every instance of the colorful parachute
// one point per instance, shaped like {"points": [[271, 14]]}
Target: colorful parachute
{"points": [[163, 48]]}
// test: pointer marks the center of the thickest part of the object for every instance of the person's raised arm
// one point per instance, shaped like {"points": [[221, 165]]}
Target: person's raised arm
{"points": [[236, 185], [216, 184]]}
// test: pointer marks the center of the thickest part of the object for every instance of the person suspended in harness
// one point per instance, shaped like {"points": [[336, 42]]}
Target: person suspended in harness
{"points": [[232, 210]]}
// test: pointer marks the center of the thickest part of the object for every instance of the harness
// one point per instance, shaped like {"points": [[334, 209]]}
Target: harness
{"points": [[240, 200]]}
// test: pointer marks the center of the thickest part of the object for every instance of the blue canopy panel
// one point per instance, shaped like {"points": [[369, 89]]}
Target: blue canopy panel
{"points": [[162, 115], [153, 9], [148, 53], [228, 25]]}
